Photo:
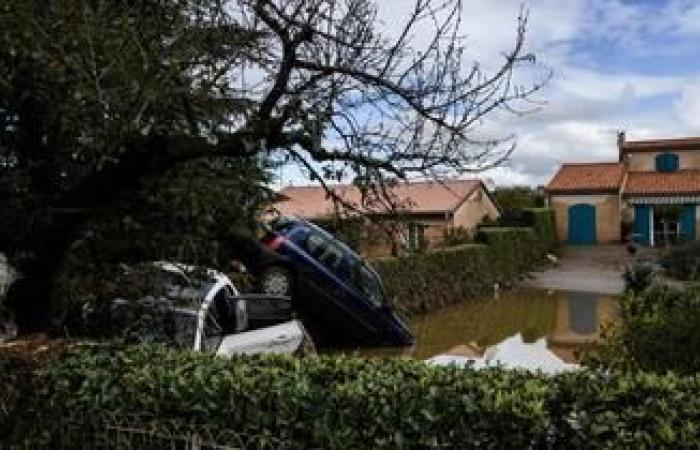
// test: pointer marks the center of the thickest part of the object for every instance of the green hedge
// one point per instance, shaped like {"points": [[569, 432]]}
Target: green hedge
{"points": [[657, 331], [683, 261], [432, 280], [336, 402]]}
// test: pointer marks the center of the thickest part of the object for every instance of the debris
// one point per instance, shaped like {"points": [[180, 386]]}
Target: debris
{"points": [[511, 353]]}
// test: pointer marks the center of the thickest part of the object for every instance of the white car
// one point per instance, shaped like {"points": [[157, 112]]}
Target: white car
{"points": [[203, 311]]}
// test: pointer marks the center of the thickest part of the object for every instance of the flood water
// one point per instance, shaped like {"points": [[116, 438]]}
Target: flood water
{"points": [[566, 319]]}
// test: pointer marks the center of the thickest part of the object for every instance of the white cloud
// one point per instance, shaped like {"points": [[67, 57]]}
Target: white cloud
{"points": [[587, 100], [687, 107]]}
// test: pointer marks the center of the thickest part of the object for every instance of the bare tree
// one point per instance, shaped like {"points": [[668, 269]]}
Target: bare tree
{"points": [[336, 90], [311, 82], [97, 95]]}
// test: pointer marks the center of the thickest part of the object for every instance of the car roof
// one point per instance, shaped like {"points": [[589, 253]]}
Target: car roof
{"points": [[318, 229]]}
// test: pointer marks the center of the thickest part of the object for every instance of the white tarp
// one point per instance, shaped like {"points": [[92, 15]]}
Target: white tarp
{"points": [[512, 353]]}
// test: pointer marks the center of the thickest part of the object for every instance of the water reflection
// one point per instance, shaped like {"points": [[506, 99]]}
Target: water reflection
{"points": [[567, 319]]}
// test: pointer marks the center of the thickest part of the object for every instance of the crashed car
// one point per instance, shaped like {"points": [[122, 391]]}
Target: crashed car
{"points": [[340, 296], [201, 310]]}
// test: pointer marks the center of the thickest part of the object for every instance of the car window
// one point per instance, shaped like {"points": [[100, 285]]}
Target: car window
{"points": [[298, 236], [325, 251], [367, 282]]}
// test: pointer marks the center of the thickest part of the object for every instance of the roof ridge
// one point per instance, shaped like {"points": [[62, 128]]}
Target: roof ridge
{"points": [[409, 183]]}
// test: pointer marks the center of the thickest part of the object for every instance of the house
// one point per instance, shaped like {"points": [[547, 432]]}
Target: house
{"points": [[428, 212], [651, 193]]}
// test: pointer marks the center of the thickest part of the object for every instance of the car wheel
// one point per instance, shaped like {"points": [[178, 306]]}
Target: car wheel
{"points": [[276, 280]]}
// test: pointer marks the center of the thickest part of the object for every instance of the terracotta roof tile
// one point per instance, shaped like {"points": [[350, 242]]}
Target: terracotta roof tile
{"points": [[588, 177], [683, 182], [418, 197]]}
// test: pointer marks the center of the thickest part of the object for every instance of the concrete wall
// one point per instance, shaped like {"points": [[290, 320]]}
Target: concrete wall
{"points": [[607, 215], [645, 161], [376, 242], [474, 209]]}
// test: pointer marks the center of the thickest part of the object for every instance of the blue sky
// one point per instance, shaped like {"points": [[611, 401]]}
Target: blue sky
{"points": [[616, 64]]}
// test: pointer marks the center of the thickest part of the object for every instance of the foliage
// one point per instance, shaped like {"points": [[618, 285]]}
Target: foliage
{"points": [[542, 222], [456, 236], [427, 281], [514, 203], [194, 214], [349, 231], [683, 261], [338, 402], [657, 331], [517, 198], [638, 276], [100, 98]]}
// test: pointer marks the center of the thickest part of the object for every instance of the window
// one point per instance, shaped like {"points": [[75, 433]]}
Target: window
{"points": [[325, 251], [366, 281], [416, 236], [666, 162]]}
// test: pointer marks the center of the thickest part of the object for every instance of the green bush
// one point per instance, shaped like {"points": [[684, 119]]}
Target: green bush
{"points": [[432, 280], [638, 276], [427, 281], [542, 222], [657, 331], [337, 402], [683, 261]]}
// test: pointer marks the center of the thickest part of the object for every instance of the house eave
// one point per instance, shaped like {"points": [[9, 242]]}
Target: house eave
{"points": [[611, 191]]}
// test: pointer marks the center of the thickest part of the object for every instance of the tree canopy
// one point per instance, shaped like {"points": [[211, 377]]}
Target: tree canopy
{"points": [[100, 99]]}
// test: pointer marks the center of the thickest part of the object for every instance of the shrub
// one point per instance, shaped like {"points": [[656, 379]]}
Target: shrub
{"points": [[431, 280], [638, 276], [337, 402], [683, 261], [658, 331]]}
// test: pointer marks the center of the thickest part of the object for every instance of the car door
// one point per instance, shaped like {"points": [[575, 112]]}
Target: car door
{"points": [[330, 284]]}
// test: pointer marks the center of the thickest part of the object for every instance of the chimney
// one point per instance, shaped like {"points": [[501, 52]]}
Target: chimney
{"points": [[620, 143]]}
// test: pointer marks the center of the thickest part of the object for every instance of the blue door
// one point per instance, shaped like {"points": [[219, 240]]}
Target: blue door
{"points": [[642, 224], [582, 224], [688, 222]]}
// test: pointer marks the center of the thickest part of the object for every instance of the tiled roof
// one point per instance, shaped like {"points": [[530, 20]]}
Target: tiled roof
{"points": [[682, 182], [655, 145], [414, 197], [589, 177]]}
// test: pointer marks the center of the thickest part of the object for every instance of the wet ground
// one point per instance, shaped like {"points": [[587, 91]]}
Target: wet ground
{"points": [[568, 303], [597, 268], [567, 319]]}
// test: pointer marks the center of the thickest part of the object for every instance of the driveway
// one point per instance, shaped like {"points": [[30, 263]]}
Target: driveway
{"points": [[594, 268]]}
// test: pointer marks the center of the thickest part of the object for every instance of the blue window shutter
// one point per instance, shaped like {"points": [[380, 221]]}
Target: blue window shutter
{"points": [[667, 162], [688, 222], [641, 223]]}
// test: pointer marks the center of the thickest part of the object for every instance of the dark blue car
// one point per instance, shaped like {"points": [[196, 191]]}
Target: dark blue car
{"points": [[341, 297]]}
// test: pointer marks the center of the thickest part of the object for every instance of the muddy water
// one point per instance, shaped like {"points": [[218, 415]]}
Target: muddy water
{"points": [[566, 319]]}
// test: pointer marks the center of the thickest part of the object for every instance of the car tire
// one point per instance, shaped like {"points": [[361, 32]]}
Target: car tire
{"points": [[276, 280]]}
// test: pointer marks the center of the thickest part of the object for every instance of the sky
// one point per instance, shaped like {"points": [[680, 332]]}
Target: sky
{"points": [[630, 65]]}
